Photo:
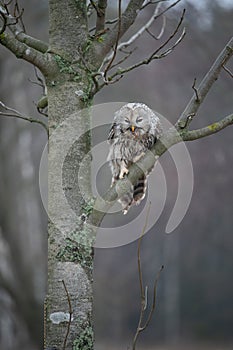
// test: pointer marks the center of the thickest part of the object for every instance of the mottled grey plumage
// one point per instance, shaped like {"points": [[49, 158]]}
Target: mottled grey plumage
{"points": [[135, 129]]}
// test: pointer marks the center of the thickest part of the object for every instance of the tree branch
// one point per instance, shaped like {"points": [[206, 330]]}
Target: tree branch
{"points": [[151, 2], [171, 137], [13, 113], [22, 51], [208, 130], [116, 43], [155, 55], [144, 28], [100, 21], [128, 18], [138, 33], [12, 23], [227, 70], [204, 87]]}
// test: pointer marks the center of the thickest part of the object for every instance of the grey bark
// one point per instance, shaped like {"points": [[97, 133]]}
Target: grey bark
{"points": [[68, 261]]}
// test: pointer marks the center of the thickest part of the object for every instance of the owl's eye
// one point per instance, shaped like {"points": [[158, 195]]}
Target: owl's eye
{"points": [[127, 121], [139, 120]]}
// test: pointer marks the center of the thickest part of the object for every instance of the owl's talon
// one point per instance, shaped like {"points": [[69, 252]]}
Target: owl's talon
{"points": [[123, 172]]}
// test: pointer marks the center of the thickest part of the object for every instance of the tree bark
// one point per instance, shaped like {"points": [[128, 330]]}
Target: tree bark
{"points": [[68, 304]]}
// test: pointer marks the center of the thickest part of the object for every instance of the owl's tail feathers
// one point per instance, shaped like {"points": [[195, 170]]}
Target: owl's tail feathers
{"points": [[126, 200], [139, 190], [135, 196]]}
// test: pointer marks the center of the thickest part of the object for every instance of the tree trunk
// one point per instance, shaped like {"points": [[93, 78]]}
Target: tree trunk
{"points": [[68, 305]]}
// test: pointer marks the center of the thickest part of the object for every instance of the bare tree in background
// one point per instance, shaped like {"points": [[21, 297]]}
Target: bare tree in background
{"points": [[78, 62]]}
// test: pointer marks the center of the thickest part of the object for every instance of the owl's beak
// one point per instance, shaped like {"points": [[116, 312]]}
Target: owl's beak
{"points": [[132, 128]]}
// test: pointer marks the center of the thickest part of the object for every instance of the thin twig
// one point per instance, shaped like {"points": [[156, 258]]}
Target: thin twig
{"points": [[139, 253], [141, 30], [70, 313], [109, 21], [40, 80], [127, 55], [157, 37], [144, 28], [121, 71], [93, 76], [150, 2], [16, 114], [205, 85], [15, 24], [116, 43], [112, 21], [155, 54], [18, 14], [154, 301], [172, 35], [94, 6], [227, 70], [143, 292], [195, 89]]}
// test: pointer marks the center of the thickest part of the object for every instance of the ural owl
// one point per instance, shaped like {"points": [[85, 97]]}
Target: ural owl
{"points": [[135, 129]]}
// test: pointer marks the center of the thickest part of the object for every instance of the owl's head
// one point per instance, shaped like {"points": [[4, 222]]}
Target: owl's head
{"points": [[136, 119]]}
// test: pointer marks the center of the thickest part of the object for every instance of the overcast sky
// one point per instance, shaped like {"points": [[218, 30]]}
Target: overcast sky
{"points": [[204, 3]]}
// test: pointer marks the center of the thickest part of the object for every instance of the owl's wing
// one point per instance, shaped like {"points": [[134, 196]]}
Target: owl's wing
{"points": [[114, 132], [156, 127]]}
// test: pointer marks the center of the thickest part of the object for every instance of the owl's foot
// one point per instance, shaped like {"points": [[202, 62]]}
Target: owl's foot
{"points": [[136, 159], [123, 172]]}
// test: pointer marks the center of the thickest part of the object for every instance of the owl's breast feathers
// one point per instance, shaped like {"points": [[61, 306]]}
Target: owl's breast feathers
{"points": [[134, 131]]}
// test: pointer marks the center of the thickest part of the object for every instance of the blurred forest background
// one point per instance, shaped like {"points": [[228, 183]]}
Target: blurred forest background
{"points": [[195, 292]]}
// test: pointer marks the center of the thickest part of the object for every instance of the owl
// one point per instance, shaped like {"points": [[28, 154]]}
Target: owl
{"points": [[135, 129]]}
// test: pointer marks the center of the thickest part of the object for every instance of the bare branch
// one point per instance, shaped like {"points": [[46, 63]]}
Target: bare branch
{"points": [[141, 30], [144, 291], [127, 55], [18, 14], [18, 30], [112, 21], [153, 301], [208, 130], [157, 37], [128, 18], [155, 55], [139, 254], [22, 51], [40, 82], [227, 70], [195, 89], [100, 21], [13, 113], [116, 43], [205, 85], [119, 73], [144, 28], [92, 2], [151, 2], [171, 137]]}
